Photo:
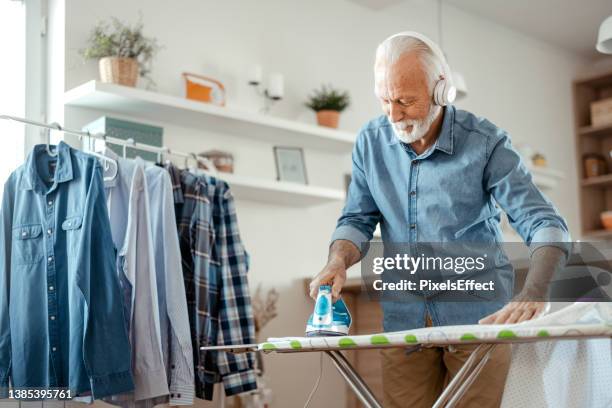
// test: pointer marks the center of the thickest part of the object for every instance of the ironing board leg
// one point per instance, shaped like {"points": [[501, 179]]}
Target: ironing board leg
{"points": [[465, 376], [360, 388]]}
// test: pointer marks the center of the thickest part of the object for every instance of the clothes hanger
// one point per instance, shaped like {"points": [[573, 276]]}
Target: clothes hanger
{"points": [[48, 144], [209, 170], [107, 162]]}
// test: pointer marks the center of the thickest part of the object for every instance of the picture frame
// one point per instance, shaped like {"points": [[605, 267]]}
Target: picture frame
{"points": [[290, 164]]}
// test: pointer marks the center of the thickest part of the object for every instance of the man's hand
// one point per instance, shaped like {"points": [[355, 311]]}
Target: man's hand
{"points": [[518, 310], [342, 255], [545, 262], [334, 273]]}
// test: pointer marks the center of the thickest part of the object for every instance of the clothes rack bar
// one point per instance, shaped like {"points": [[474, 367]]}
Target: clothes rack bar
{"points": [[108, 139]]}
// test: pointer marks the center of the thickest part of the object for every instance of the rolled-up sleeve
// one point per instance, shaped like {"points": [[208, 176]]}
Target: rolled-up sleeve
{"points": [[360, 214], [530, 213]]}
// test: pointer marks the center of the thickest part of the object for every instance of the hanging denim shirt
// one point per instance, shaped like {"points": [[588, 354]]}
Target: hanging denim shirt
{"points": [[448, 193], [61, 317]]}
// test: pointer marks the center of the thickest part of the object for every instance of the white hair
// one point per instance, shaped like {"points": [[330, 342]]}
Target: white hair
{"points": [[395, 47]]}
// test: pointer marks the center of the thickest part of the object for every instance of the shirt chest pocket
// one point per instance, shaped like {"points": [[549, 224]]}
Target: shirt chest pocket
{"points": [[72, 227], [28, 245]]}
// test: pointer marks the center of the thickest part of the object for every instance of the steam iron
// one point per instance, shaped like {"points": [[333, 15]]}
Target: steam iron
{"points": [[328, 319]]}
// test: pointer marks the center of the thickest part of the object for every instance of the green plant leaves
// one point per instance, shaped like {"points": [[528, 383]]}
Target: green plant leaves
{"points": [[328, 98]]}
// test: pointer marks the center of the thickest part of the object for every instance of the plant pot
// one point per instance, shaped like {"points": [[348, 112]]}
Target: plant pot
{"points": [[606, 219], [116, 70], [328, 118]]}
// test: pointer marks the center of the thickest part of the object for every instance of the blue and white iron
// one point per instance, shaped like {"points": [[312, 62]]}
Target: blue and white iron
{"points": [[328, 319]]}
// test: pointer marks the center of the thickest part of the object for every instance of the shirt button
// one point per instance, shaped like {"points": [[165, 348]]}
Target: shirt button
{"points": [[413, 193], [50, 259], [24, 234], [412, 226], [49, 231], [51, 288], [52, 317], [50, 203], [54, 348]]}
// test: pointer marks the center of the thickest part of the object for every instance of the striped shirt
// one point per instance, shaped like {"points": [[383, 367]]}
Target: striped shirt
{"points": [[215, 265]]}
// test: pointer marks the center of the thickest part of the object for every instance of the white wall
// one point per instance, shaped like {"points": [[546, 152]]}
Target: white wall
{"points": [[519, 83]]}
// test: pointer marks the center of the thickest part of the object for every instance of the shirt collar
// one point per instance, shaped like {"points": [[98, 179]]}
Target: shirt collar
{"points": [[445, 140], [63, 168]]}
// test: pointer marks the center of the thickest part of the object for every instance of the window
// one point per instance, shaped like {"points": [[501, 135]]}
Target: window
{"points": [[12, 84]]}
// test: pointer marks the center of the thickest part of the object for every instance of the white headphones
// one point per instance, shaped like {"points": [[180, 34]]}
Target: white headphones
{"points": [[444, 92]]}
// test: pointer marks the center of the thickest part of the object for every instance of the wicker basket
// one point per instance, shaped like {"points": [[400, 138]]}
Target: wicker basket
{"points": [[116, 70]]}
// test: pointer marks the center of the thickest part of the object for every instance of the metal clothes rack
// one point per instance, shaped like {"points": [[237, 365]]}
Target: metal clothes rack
{"points": [[163, 150]]}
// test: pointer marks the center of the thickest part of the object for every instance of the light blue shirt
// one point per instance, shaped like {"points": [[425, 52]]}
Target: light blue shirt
{"points": [[61, 317], [130, 219], [448, 193]]}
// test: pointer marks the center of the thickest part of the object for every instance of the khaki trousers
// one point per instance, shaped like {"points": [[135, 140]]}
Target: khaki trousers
{"points": [[417, 379]]}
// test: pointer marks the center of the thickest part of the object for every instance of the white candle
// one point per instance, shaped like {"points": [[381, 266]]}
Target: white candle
{"points": [[255, 74], [275, 85]]}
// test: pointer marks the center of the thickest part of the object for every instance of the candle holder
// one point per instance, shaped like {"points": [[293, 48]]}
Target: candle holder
{"points": [[269, 99]]}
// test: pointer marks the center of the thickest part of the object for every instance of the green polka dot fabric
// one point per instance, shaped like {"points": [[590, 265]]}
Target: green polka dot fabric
{"points": [[579, 320]]}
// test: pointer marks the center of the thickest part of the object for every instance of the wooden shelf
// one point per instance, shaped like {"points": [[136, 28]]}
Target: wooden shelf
{"points": [[595, 193], [598, 234], [280, 193], [600, 80], [599, 181], [596, 131], [215, 119]]}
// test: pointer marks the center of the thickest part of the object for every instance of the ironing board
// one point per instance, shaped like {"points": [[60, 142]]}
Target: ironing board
{"points": [[578, 321]]}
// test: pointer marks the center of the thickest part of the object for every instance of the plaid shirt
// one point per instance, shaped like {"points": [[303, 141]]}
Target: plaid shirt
{"points": [[215, 266]]}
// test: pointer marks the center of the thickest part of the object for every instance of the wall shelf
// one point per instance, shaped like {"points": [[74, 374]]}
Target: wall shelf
{"points": [[223, 120], [596, 131], [598, 181], [544, 177], [598, 234], [279, 192]]}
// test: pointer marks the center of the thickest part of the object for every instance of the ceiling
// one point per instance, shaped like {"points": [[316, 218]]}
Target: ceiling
{"points": [[569, 24]]}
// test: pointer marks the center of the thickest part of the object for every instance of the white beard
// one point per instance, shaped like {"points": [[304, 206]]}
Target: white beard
{"points": [[419, 127]]}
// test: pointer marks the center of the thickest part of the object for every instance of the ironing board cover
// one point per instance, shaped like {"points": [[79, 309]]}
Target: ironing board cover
{"points": [[577, 320]]}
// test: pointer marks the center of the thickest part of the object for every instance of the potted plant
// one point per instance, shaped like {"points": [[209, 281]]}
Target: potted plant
{"points": [[328, 102], [124, 53]]}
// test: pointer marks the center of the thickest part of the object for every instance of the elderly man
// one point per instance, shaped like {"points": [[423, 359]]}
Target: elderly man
{"points": [[428, 172]]}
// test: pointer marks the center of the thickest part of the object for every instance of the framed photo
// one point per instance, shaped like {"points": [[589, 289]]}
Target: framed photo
{"points": [[290, 165]]}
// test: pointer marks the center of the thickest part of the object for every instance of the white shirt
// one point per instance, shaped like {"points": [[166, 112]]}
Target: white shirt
{"points": [[129, 213]]}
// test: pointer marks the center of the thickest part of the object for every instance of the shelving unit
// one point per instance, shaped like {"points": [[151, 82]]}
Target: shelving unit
{"points": [[223, 120], [595, 131], [595, 192], [216, 119]]}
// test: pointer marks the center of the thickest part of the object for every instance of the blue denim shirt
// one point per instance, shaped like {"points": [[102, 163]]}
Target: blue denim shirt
{"points": [[447, 193], [61, 317]]}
